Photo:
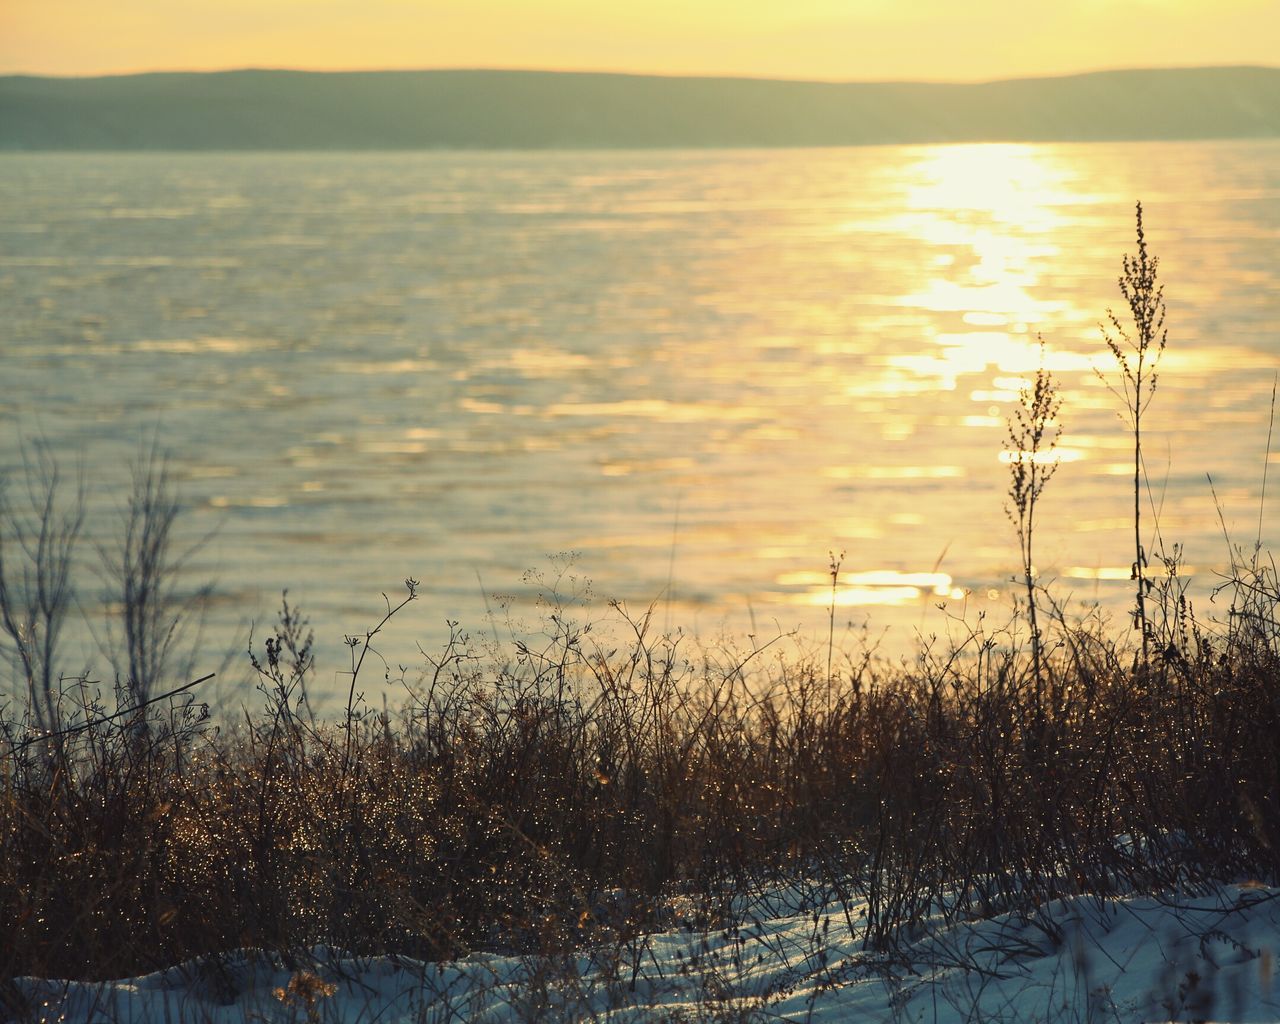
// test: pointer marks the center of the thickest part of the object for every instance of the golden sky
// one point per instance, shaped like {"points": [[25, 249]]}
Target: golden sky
{"points": [[940, 40]]}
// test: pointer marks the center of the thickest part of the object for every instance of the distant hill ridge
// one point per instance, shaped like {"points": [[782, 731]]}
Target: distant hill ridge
{"points": [[298, 110]]}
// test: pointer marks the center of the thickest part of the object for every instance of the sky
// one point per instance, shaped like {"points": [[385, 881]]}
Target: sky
{"points": [[842, 40]]}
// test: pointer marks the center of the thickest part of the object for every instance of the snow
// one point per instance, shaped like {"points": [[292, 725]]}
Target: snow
{"points": [[791, 954]]}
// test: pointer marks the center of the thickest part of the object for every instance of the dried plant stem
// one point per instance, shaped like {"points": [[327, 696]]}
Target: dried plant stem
{"points": [[1032, 439], [357, 662], [1137, 358]]}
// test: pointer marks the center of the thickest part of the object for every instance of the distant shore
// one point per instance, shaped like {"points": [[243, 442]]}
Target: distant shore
{"points": [[476, 109]]}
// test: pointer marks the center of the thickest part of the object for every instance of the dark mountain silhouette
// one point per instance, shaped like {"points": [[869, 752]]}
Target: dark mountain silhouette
{"points": [[534, 109]]}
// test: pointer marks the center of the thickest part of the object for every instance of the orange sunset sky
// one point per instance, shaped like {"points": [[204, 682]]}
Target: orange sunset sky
{"points": [[939, 40]]}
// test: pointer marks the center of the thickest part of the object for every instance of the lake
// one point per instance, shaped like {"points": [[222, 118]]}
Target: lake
{"points": [[699, 372]]}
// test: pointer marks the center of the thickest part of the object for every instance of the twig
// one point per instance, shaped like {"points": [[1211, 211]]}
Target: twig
{"points": [[109, 718]]}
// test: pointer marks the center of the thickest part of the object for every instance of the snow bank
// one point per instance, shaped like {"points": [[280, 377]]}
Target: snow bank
{"points": [[786, 958]]}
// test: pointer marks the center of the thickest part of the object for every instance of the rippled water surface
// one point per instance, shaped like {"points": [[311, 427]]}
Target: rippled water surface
{"points": [[700, 371]]}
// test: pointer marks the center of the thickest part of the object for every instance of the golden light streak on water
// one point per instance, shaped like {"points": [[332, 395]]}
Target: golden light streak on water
{"points": [[1044, 458]]}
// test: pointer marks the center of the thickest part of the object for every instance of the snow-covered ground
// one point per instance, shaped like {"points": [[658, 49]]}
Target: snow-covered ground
{"points": [[788, 958]]}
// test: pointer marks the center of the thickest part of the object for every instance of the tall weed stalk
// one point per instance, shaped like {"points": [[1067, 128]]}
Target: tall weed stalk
{"points": [[1030, 452], [1137, 356]]}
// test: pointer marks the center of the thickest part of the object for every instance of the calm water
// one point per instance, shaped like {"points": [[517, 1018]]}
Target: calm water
{"points": [[701, 371]]}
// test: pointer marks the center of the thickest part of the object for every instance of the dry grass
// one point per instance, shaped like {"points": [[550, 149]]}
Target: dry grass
{"points": [[572, 793]]}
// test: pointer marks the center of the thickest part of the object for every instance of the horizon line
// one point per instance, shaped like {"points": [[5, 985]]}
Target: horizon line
{"points": [[589, 72]]}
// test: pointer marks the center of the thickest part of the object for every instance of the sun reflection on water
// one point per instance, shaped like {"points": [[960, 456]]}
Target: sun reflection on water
{"points": [[888, 587], [992, 214]]}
